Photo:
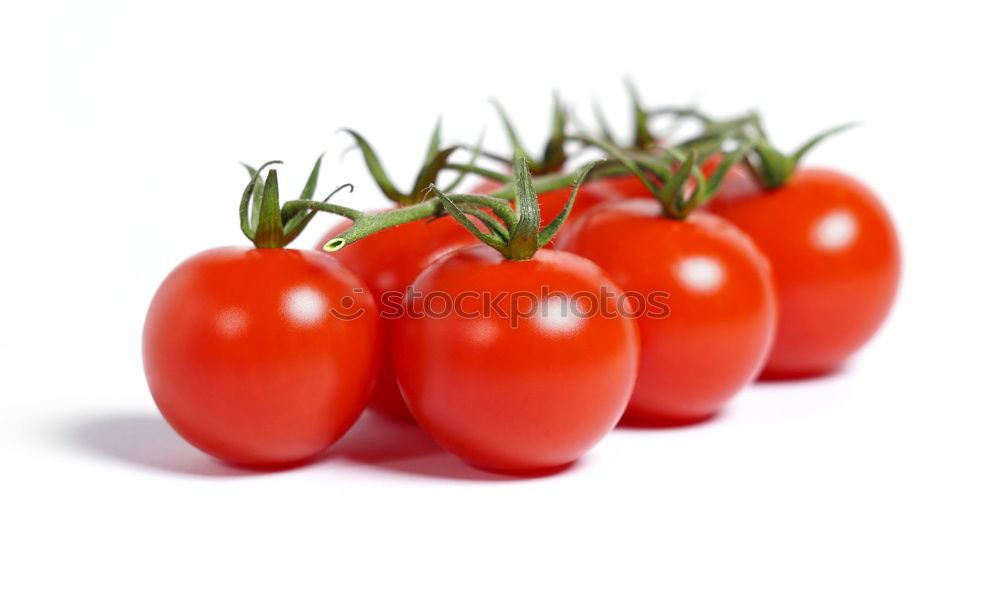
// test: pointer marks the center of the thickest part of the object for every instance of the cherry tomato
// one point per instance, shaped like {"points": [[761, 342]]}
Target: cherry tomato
{"points": [[835, 257], [515, 393], [388, 262], [619, 188], [721, 317], [247, 362]]}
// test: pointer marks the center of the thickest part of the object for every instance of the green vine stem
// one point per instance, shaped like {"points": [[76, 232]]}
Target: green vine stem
{"points": [[668, 179], [668, 188], [435, 160], [553, 156], [770, 167], [714, 133], [366, 224], [667, 173], [482, 172], [643, 139]]}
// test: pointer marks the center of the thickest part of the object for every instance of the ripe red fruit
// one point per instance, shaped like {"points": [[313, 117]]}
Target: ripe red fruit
{"points": [[388, 262], [836, 261], [245, 360], [721, 303], [515, 398]]}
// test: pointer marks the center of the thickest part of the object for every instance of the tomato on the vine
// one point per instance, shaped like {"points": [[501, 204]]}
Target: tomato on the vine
{"points": [[720, 323], [552, 203], [552, 160], [836, 261], [515, 394], [497, 358], [261, 356], [388, 262]]}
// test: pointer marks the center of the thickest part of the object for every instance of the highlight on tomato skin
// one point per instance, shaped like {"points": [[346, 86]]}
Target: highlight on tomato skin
{"points": [[513, 375], [521, 398], [836, 261], [721, 297], [245, 360], [265, 356], [389, 260]]}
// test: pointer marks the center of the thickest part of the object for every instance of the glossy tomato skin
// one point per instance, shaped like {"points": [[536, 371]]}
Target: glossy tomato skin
{"points": [[388, 262], [625, 187], [524, 398], [552, 203], [836, 263], [246, 361], [721, 318]]}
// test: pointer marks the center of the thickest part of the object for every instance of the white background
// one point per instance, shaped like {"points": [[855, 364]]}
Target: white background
{"points": [[122, 125]]}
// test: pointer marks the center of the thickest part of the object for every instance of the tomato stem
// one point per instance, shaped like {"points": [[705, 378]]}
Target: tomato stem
{"points": [[643, 139], [668, 179], [554, 155], [366, 224], [769, 166], [435, 160], [773, 169], [521, 234]]}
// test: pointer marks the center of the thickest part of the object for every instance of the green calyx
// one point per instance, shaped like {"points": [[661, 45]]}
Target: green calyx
{"points": [[669, 177], [554, 155], [266, 222], [642, 136], [770, 167], [643, 139], [715, 132], [435, 161], [516, 232], [367, 224]]}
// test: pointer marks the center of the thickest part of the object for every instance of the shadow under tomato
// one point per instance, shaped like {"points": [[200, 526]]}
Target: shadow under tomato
{"points": [[403, 447], [770, 378], [629, 423], [148, 442]]}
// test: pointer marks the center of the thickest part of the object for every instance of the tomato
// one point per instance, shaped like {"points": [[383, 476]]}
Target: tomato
{"points": [[836, 263], [388, 262], [552, 203], [619, 188], [508, 393], [721, 302], [247, 362]]}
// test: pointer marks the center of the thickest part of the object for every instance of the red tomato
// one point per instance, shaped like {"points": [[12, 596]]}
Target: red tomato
{"points": [[245, 359], [552, 203], [620, 188], [836, 263], [721, 304], [388, 262], [514, 398]]}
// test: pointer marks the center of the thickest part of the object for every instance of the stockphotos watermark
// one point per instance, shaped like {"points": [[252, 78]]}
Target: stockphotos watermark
{"points": [[511, 306]]}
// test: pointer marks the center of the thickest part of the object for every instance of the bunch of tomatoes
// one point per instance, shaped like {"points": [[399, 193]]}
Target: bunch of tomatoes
{"points": [[519, 321]]}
